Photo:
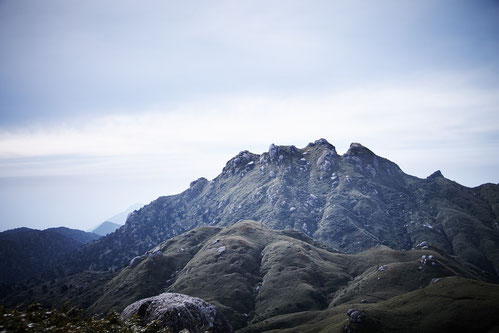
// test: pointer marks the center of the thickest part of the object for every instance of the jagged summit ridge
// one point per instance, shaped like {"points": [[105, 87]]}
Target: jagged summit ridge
{"points": [[319, 154], [274, 150], [282, 154]]}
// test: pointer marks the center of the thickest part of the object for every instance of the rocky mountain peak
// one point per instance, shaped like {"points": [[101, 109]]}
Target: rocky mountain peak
{"points": [[278, 154], [240, 162], [436, 174], [198, 182], [320, 142], [322, 146], [273, 151], [356, 149], [197, 186]]}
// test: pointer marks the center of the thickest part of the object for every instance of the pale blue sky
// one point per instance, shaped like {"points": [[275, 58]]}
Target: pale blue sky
{"points": [[108, 103]]}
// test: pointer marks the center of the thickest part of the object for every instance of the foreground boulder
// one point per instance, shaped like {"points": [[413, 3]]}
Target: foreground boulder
{"points": [[178, 312]]}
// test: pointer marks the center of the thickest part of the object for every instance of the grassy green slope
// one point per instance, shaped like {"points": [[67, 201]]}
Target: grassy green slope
{"points": [[80, 290], [254, 274], [152, 275], [451, 304]]}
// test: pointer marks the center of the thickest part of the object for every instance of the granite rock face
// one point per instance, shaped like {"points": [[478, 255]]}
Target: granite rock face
{"points": [[179, 312]]}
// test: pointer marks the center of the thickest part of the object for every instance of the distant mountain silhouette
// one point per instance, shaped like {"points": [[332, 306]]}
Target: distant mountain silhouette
{"points": [[106, 228], [28, 253], [120, 218]]}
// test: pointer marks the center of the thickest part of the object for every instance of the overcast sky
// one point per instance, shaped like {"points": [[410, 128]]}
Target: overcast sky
{"points": [[107, 103]]}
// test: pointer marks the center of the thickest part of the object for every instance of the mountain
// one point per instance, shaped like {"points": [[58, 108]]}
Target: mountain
{"points": [[77, 235], [252, 273], [27, 253], [106, 228], [262, 279], [120, 218], [450, 304], [116, 221], [350, 202], [343, 243]]}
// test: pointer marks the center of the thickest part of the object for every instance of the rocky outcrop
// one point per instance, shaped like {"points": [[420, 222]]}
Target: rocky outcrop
{"points": [[355, 315], [135, 261], [178, 312]]}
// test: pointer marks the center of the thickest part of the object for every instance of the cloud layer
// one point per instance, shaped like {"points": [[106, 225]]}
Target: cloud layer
{"points": [[63, 60], [445, 122]]}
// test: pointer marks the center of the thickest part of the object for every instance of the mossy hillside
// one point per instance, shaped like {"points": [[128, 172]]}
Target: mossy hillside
{"points": [[301, 275], [381, 273], [295, 276], [461, 220], [490, 194], [80, 290], [153, 274], [329, 320], [452, 304], [382, 255], [389, 280], [243, 280], [472, 241], [226, 271], [253, 273]]}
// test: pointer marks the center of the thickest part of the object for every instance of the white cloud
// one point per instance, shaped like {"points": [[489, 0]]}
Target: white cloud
{"points": [[426, 120]]}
